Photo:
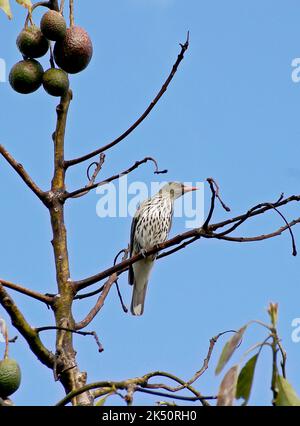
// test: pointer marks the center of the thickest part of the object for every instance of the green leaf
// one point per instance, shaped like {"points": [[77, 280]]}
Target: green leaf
{"points": [[227, 388], [229, 348], [245, 380], [25, 3], [286, 394], [5, 6], [102, 401]]}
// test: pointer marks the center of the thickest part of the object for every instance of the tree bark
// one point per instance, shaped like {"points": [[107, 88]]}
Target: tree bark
{"points": [[66, 369]]}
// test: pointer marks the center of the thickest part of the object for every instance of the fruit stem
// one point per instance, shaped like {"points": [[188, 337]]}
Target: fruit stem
{"points": [[6, 345], [52, 63], [71, 13], [62, 5], [29, 15]]}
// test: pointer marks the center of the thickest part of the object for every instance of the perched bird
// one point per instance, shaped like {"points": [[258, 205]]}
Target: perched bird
{"points": [[150, 226]]}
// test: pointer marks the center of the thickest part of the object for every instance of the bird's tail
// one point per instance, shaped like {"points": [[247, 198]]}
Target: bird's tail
{"points": [[141, 271]]}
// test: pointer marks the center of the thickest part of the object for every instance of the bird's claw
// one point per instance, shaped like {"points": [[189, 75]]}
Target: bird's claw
{"points": [[144, 253]]}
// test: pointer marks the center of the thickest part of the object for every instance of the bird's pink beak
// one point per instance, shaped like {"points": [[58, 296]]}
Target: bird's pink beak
{"points": [[190, 188]]}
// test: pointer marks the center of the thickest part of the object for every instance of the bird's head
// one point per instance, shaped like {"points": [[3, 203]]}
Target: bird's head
{"points": [[175, 190]]}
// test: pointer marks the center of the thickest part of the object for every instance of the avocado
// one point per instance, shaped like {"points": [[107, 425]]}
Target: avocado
{"points": [[56, 82], [53, 25], [10, 377], [74, 52], [26, 76], [32, 43]]}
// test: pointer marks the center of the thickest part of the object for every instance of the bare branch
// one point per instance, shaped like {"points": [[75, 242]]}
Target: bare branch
{"points": [[205, 365], [71, 330], [258, 237], [180, 57], [86, 189], [18, 167], [29, 333], [104, 293], [34, 294], [193, 235], [255, 211], [214, 187], [174, 396], [99, 304], [91, 180], [89, 294], [133, 385]]}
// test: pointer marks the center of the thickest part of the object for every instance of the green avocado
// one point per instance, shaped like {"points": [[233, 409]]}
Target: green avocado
{"points": [[56, 82], [10, 377], [32, 43], [26, 76]]}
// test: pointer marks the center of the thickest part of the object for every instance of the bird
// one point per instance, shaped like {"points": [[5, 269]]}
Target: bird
{"points": [[150, 226]]}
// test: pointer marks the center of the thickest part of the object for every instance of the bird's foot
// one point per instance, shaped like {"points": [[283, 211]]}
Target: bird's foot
{"points": [[144, 253]]}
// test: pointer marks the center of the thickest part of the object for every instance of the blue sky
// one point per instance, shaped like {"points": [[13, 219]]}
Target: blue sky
{"points": [[232, 112]]}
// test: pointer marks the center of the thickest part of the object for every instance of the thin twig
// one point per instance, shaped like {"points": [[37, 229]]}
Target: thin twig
{"points": [[124, 307], [91, 180], [180, 247], [255, 211], [164, 88], [52, 62], [72, 330], [18, 167], [89, 187], [99, 304], [90, 294], [98, 167], [62, 5], [178, 397], [33, 7], [294, 248], [205, 365], [256, 238], [212, 203], [284, 358], [104, 293]]}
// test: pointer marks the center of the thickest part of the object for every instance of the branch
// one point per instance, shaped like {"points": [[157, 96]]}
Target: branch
{"points": [[193, 235], [180, 397], [91, 180], [255, 211], [30, 334], [164, 88], [104, 293], [99, 304], [18, 167], [34, 294], [132, 385], [258, 237], [214, 187], [71, 330], [89, 187], [205, 364]]}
